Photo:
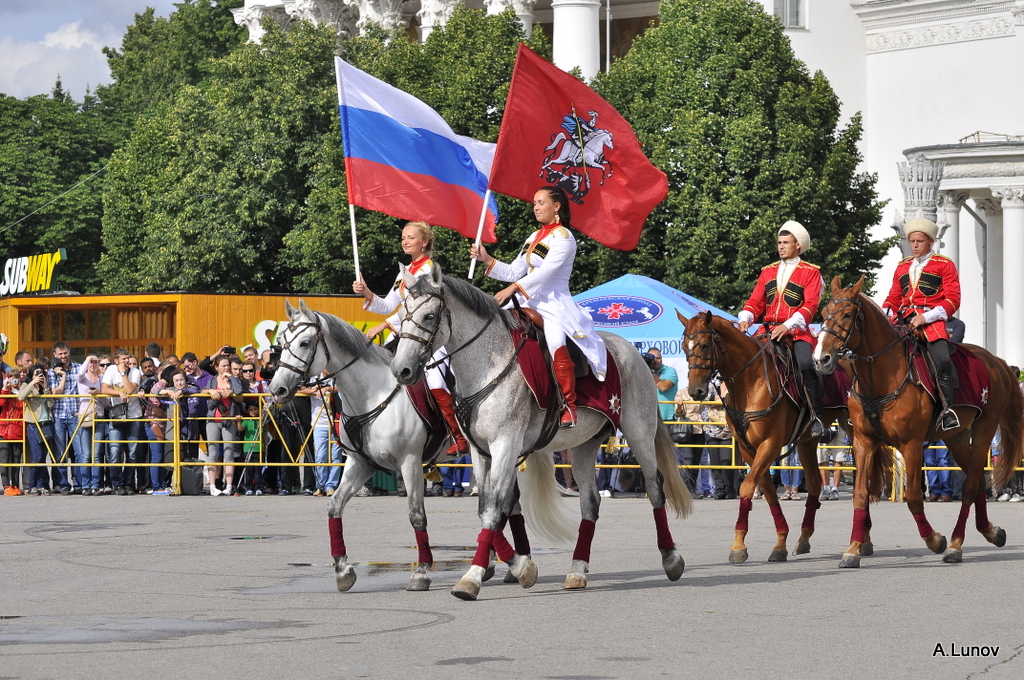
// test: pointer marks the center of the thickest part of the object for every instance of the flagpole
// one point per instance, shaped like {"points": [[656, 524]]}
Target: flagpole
{"points": [[348, 173], [479, 231]]}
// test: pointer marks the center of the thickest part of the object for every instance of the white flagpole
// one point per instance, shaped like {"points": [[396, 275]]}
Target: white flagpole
{"points": [[348, 179], [480, 231]]}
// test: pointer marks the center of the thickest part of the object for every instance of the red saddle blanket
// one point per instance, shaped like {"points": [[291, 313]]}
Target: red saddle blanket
{"points": [[970, 372], [837, 386], [605, 397], [425, 407]]}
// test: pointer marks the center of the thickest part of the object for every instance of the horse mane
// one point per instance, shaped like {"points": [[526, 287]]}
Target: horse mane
{"points": [[353, 341], [479, 303], [725, 324]]}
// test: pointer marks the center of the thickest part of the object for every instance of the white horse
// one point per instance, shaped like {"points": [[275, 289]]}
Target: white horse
{"points": [[382, 430], [498, 414]]}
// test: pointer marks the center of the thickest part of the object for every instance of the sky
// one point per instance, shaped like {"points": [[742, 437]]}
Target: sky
{"points": [[40, 39]]}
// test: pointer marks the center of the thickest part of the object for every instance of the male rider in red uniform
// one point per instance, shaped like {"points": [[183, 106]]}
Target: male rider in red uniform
{"points": [[786, 298], [926, 292]]}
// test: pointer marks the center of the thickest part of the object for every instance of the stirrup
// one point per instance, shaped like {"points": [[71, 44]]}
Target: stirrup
{"points": [[568, 419], [949, 420], [817, 428]]}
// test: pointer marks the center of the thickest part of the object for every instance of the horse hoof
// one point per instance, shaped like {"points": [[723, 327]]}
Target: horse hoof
{"points": [[802, 548], [488, 574], [936, 543], [509, 577], [345, 578], [527, 573], [778, 555], [953, 557], [466, 589], [575, 582], [419, 583], [738, 556], [998, 537], [849, 561], [674, 566], [867, 549]]}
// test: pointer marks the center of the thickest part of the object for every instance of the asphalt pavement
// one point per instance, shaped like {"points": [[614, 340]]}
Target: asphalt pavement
{"points": [[200, 587]]}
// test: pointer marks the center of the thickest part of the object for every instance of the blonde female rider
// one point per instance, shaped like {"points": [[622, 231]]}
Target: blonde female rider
{"points": [[417, 243]]}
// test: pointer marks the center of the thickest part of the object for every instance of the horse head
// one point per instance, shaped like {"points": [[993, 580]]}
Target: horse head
{"points": [[421, 332], [841, 325], [701, 345], [301, 352]]}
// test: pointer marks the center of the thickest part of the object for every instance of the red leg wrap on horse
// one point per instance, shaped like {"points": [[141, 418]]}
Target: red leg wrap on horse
{"points": [[423, 543], [960, 528], [665, 541], [981, 512], [781, 525], [483, 548], [923, 527], [859, 516], [810, 510], [746, 505], [583, 541], [500, 544], [337, 537], [517, 524]]}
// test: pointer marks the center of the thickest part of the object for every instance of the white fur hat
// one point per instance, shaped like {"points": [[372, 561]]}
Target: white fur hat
{"points": [[922, 225], [799, 233]]}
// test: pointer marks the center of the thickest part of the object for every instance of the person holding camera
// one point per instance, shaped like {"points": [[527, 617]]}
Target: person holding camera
{"points": [[92, 434], [12, 432], [39, 426], [62, 378], [121, 382]]}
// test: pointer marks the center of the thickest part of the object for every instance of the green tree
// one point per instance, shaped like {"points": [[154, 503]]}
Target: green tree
{"points": [[748, 139], [48, 145], [161, 55]]}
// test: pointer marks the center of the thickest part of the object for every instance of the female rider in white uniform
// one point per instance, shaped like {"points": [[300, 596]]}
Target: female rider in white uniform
{"points": [[541, 274], [417, 242]]}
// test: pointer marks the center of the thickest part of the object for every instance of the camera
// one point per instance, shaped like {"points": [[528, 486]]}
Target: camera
{"points": [[38, 373], [228, 349], [267, 372], [649, 358]]}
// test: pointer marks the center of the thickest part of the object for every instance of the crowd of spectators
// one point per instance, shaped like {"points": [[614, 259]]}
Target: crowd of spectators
{"points": [[116, 436]]}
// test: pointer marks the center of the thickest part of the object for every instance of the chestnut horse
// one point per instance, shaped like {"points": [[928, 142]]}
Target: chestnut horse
{"points": [[856, 330], [762, 418]]}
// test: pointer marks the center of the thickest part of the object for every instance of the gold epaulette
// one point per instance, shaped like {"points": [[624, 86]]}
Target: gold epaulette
{"points": [[809, 264], [561, 231]]}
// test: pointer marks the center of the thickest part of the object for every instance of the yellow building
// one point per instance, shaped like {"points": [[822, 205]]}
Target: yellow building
{"points": [[180, 322]]}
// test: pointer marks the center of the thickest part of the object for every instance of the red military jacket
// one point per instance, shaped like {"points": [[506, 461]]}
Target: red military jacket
{"points": [[802, 294], [937, 286]]}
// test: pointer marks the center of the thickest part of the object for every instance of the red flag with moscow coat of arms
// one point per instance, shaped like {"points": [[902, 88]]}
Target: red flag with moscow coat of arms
{"points": [[557, 131]]}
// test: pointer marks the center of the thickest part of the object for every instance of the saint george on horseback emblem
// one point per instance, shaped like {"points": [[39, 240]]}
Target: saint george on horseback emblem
{"points": [[575, 150]]}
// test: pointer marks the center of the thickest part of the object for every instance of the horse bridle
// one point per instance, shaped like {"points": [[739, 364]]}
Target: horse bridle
{"points": [[431, 333], [847, 333], [289, 337]]}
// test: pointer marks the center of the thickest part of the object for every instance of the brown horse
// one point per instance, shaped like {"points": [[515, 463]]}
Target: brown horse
{"points": [[761, 417], [856, 330]]}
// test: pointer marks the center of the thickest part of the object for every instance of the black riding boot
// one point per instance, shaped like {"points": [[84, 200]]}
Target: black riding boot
{"points": [[949, 420], [812, 383]]}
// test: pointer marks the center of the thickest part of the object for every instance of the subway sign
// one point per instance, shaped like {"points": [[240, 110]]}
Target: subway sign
{"points": [[32, 274]]}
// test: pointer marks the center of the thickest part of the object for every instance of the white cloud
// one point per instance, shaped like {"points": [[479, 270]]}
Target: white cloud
{"points": [[71, 36]]}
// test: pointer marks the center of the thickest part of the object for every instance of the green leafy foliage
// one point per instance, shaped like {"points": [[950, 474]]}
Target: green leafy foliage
{"points": [[748, 139]]}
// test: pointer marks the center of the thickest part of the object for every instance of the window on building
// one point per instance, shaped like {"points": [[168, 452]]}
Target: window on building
{"points": [[792, 13]]}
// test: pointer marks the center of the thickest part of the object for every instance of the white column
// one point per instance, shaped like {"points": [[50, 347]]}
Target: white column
{"points": [[522, 8], [1012, 346], [575, 36], [950, 203], [972, 280], [433, 14], [993, 273]]}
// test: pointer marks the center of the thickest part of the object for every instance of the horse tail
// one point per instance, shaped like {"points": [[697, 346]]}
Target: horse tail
{"points": [[1011, 433], [541, 501], [882, 462], [677, 495]]}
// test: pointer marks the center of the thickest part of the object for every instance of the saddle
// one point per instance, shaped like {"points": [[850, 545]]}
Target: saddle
{"points": [[970, 376], [533, 327], [837, 385]]}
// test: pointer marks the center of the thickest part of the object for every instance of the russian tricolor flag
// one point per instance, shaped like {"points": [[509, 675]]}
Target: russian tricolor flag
{"points": [[402, 158]]}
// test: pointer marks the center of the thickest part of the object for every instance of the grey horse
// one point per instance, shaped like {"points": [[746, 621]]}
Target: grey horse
{"points": [[392, 435], [497, 411]]}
